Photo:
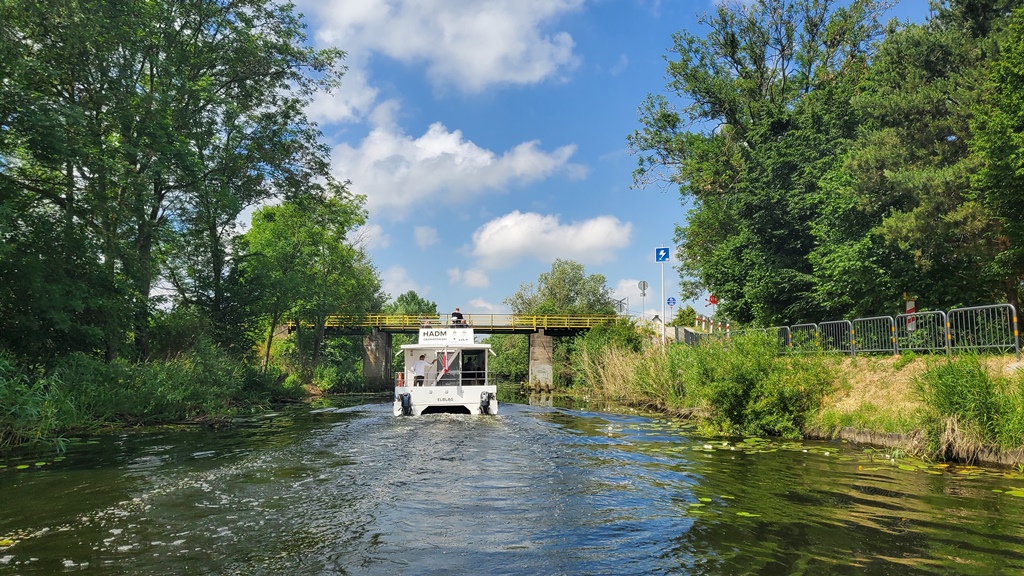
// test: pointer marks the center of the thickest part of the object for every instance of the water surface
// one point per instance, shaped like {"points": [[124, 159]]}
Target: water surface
{"points": [[536, 490]]}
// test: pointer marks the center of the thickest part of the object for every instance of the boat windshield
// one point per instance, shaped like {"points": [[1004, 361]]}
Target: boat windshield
{"points": [[465, 366]]}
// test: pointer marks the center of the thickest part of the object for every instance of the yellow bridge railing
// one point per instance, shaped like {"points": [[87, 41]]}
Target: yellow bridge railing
{"points": [[482, 322]]}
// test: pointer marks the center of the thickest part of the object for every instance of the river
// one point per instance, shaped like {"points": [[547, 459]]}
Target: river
{"points": [[536, 490]]}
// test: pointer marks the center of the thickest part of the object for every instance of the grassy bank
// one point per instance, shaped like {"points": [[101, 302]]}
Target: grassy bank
{"points": [[82, 393], [962, 408]]}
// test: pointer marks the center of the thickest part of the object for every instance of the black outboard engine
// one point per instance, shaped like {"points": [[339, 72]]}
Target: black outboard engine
{"points": [[407, 404], [485, 402]]}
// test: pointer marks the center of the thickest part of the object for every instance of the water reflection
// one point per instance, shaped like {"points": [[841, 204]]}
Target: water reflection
{"points": [[539, 489]]}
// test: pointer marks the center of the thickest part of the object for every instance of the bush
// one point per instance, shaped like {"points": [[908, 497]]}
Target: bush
{"points": [[28, 410], [969, 409], [736, 386], [200, 383], [512, 359]]}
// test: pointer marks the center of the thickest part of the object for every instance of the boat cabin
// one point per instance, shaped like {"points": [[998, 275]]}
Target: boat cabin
{"points": [[455, 377]]}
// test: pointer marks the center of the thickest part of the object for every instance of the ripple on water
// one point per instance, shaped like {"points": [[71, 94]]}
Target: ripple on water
{"points": [[535, 490]]}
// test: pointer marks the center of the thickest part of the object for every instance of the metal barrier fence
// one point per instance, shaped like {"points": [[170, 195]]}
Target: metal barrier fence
{"points": [[837, 336], [876, 334], [804, 338], [922, 332], [983, 328], [979, 328]]}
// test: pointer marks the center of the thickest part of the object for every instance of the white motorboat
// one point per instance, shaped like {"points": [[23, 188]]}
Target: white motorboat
{"points": [[454, 376]]}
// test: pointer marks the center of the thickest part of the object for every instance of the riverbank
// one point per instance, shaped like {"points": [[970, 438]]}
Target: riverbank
{"points": [[878, 401], [967, 408], [85, 394]]}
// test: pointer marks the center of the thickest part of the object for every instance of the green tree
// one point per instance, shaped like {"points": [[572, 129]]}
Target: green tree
{"points": [[408, 304], [308, 268], [912, 168], [270, 260], [762, 116], [137, 122], [684, 316], [411, 304], [565, 289], [511, 361], [999, 143]]}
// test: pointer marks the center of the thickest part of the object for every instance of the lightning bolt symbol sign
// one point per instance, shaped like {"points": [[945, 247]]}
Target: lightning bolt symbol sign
{"points": [[661, 254]]}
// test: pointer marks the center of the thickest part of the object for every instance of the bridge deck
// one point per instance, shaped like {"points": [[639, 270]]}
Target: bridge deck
{"points": [[481, 323]]}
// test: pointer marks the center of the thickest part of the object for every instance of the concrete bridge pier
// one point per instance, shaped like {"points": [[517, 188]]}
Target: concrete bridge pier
{"points": [[377, 358], [541, 360]]}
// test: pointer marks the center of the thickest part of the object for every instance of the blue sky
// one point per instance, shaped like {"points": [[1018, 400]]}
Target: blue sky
{"points": [[489, 137]]}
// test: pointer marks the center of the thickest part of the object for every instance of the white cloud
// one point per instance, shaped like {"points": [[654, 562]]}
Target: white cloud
{"points": [[401, 175], [349, 103], [472, 44], [473, 278], [396, 281], [629, 288], [486, 307], [372, 236], [620, 66], [425, 236], [505, 240]]}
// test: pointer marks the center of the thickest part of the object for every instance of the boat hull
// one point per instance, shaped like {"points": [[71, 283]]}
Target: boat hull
{"points": [[417, 400]]}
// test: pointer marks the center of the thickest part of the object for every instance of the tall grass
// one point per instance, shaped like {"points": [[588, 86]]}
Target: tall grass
{"points": [[27, 407], [736, 386], [85, 393], [968, 409]]}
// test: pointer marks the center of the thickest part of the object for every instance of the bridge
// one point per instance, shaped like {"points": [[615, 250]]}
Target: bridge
{"points": [[553, 324], [377, 330]]}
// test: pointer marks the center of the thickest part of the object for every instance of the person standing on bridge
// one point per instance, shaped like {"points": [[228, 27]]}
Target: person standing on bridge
{"points": [[457, 317], [419, 370]]}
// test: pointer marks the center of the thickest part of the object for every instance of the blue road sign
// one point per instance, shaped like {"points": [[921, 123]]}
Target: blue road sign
{"points": [[671, 301], [661, 254]]}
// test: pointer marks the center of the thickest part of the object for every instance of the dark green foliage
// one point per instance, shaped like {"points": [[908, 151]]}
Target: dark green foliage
{"points": [[512, 360], [408, 304], [27, 406], [743, 385], [912, 169], [999, 142], [622, 333], [54, 298], [176, 332], [684, 317], [134, 135], [767, 116], [829, 174]]}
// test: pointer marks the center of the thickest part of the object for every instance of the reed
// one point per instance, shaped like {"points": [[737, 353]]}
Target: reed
{"points": [[969, 407], [27, 407], [738, 386], [85, 393]]}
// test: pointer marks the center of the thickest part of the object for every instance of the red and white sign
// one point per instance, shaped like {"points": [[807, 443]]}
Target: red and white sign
{"points": [[911, 320]]}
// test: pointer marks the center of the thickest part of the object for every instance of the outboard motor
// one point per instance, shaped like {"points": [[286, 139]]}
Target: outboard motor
{"points": [[407, 404], [485, 403]]}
